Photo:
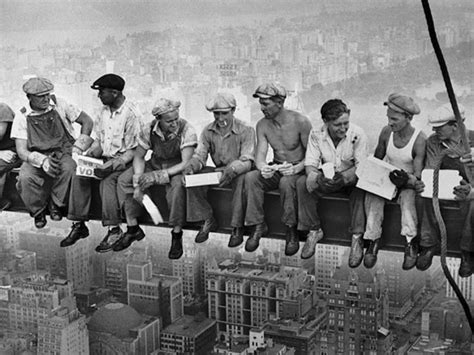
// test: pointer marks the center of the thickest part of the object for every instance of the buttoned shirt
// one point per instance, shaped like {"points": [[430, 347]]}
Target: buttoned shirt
{"points": [[350, 151], [117, 131], [68, 113], [188, 137], [237, 144]]}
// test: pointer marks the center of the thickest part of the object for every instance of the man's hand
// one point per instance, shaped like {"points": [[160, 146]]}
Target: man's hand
{"points": [[399, 178], [105, 170], [267, 171], [7, 155], [138, 194], [118, 164], [193, 165], [330, 185], [51, 166], [419, 186], [467, 158], [151, 178], [312, 182], [228, 175], [76, 151], [287, 169], [462, 191]]}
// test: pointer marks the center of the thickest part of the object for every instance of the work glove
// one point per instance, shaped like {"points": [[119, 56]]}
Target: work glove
{"points": [[399, 178], [52, 166], [228, 174], [462, 191], [156, 177], [193, 165]]}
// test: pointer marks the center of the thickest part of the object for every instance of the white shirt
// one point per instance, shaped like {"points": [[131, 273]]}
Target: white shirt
{"points": [[350, 151]]}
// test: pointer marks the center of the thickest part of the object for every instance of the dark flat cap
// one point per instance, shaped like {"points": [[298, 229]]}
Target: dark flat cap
{"points": [[402, 103], [109, 81], [267, 90], [38, 86]]}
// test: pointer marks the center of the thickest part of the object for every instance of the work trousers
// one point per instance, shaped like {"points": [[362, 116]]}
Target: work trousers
{"points": [[4, 169], [199, 209], [430, 235], [308, 217], [36, 187], [81, 194], [175, 198], [256, 186], [374, 208]]}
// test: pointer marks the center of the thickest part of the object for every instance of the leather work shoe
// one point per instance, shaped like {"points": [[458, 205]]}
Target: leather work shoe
{"points": [[4, 204], [292, 241], [357, 252], [128, 238], [425, 258], [370, 257], [54, 212], [40, 220], [176, 250], [410, 256], [253, 241], [309, 246], [236, 237], [466, 267], [78, 231], [113, 236], [209, 225]]}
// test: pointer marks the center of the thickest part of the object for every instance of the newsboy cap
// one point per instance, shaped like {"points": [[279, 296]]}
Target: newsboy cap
{"points": [[221, 102], [268, 90], [402, 104], [444, 114], [38, 86], [109, 81], [6, 113], [163, 106]]}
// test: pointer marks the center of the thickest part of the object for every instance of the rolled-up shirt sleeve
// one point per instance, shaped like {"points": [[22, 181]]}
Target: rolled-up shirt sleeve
{"points": [[131, 131], [313, 151], [19, 127], [248, 144], [143, 139], [431, 154], [189, 137]]}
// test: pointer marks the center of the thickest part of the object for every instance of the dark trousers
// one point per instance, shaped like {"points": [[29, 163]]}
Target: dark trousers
{"points": [[4, 169], [199, 209], [175, 198], [256, 186], [81, 194], [36, 187], [308, 217], [430, 235]]}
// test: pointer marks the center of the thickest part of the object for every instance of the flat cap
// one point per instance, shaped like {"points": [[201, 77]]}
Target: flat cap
{"points": [[109, 81], [268, 90], [6, 113], [445, 114], [221, 102], [402, 103], [38, 86], [163, 106]]}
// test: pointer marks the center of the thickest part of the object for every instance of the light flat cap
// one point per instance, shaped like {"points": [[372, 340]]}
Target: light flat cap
{"points": [[444, 114], [402, 104], [268, 90], [6, 113], [163, 106], [38, 86], [221, 102], [109, 81]]}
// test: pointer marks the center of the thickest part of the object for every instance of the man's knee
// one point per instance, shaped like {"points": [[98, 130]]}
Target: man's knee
{"points": [[301, 183], [288, 183], [252, 178]]}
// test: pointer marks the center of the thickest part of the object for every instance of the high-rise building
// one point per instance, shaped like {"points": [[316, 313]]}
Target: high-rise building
{"points": [[465, 284], [156, 295], [327, 259], [188, 268], [64, 331], [242, 295]]}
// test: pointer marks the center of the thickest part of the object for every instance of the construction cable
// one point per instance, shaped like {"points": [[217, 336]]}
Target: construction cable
{"points": [[457, 151]]}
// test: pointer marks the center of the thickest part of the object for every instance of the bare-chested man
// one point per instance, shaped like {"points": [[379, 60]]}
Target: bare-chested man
{"points": [[286, 132]]}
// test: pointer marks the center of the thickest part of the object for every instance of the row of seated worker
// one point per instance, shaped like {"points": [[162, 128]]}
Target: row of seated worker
{"points": [[307, 163]]}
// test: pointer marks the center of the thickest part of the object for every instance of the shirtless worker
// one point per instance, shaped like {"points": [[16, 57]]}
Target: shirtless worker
{"points": [[286, 132]]}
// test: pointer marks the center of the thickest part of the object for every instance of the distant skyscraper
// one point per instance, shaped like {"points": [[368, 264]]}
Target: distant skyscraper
{"points": [[327, 259], [466, 285], [188, 268]]}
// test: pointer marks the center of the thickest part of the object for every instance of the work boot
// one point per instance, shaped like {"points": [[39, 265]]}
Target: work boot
{"points": [[112, 237], [209, 225], [40, 220], [309, 246], [425, 258], [253, 241], [54, 211], [176, 250], [466, 267], [4, 204], [292, 242], [236, 237], [131, 235], [410, 256], [357, 252], [370, 257], [78, 231]]}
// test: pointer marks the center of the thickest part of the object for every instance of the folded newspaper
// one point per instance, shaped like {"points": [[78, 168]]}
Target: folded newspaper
{"points": [[86, 165], [373, 176], [152, 210], [448, 179], [203, 179]]}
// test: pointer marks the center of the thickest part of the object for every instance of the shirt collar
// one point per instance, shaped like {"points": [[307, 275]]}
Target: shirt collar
{"points": [[31, 112], [157, 130], [117, 111], [236, 127]]}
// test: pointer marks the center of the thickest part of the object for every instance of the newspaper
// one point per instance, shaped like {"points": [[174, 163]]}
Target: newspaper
{"points": [[448, 179], [373, 176], [86, 165]]}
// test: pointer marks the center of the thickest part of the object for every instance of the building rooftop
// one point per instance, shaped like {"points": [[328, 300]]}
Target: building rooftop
{"points": [[115, 318], [189, 326]]}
